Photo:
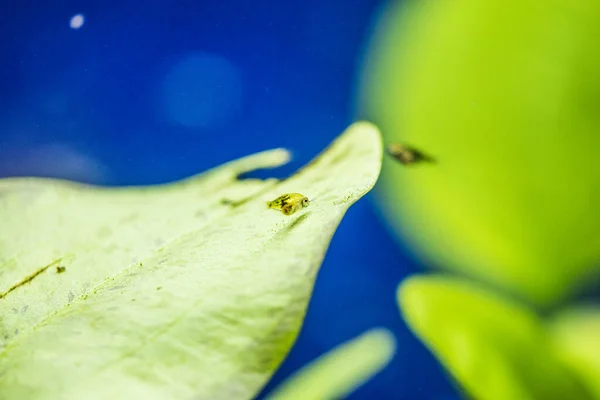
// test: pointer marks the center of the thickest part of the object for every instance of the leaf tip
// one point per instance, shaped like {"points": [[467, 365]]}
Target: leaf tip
{"points": [[366, 128], [383, 340], [412, 297], [272, 158], [408, 289]]}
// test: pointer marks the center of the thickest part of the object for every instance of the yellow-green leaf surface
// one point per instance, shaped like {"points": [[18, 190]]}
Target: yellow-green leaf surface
{"points": [[577, 337], [504, 96], [495, 348], [339, 372], [187, 290]]}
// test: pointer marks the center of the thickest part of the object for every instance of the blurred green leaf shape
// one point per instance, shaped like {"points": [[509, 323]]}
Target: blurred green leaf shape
{"points": [[494, 348], [577, 338], [186, 290], [503, 94], [339, 372]]}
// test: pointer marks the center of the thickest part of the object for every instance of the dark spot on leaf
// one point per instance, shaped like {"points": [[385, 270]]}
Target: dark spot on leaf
{"points": [[110, 248], [24, 309], [234, 203], [29, 278], [129, 218], [296, 222], [104, 232], [338, 157], [60, 269], [159, 287]]}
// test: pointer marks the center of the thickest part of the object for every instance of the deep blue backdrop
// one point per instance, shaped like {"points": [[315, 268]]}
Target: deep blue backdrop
{"points": [[152, 91]]}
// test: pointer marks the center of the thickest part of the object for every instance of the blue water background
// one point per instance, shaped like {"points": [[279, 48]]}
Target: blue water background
{"points": [[152, 91]]}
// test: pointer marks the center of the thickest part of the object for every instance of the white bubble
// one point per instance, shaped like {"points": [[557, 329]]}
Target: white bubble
{"points": [[202, 90], [77, 21]]}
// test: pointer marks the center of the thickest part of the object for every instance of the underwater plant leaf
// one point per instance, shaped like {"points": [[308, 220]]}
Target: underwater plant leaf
{"points": [[576, 334], [186, 290], [503, 95], [339, 372], [495, 348]]}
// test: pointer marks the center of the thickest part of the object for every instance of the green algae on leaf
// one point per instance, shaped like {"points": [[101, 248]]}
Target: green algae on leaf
{"points": [[186, 290], [339, 372], [495, 348]]}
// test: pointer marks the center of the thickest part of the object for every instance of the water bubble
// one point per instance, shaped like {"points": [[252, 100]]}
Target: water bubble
{"points": [[202, 90], [76, 21]]}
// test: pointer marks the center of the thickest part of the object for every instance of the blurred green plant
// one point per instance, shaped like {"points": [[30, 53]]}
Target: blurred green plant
{"points": [[339, 372], [576, 334], [504, 97], [497, 348], [190, 289]]}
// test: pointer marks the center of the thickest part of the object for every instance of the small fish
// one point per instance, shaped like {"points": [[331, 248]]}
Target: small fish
{"points": [[407, 155], [289, 203]]}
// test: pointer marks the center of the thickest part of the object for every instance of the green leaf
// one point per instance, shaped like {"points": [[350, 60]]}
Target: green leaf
{"points": [[503, 95], [577, 336], [188, 290], [494, 347], [339, 372]]}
